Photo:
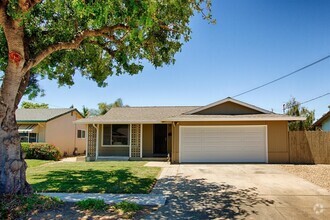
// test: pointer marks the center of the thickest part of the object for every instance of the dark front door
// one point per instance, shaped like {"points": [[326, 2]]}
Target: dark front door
{"points": [[160, 139]]}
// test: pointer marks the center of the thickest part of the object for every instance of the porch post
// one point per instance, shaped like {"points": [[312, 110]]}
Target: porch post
{"points": [[97, 142], [141, 136], [130, 140], [87, 140]]}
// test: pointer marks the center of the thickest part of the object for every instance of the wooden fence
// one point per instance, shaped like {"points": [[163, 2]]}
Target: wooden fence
{"points": [[309, 147]]}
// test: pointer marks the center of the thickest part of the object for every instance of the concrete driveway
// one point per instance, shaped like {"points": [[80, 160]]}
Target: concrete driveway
{"points": [[200, 191]]}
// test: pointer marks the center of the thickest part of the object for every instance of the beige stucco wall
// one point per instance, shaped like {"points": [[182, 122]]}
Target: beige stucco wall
{"points": [[62, 132], [41, 132], [278, 149], [147, 141]]}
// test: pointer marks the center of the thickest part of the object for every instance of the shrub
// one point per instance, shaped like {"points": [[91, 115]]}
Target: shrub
{"points": [[126, 206], [25, 147], [92, 204], [43, 151]]}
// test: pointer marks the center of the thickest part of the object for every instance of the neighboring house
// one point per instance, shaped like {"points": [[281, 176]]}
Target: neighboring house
{"points": [[323, 123], [225, 131], [53, 126]]}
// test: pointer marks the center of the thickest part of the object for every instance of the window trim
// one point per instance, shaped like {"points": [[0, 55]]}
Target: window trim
{"points": [[81, 133], [110, 145], [28, 136]]}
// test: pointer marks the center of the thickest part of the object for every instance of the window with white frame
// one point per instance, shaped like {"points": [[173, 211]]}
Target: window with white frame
{"points": [[28, 137], [81, 134], [115, 135]]}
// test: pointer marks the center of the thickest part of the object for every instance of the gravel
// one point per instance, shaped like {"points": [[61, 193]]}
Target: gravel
{"points": [[318, 174]]}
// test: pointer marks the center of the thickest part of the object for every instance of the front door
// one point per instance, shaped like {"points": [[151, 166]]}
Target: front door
{"points": [[160, 139]]}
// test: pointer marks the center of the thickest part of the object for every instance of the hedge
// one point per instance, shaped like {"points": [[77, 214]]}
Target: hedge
{"points": [[41, 151]]}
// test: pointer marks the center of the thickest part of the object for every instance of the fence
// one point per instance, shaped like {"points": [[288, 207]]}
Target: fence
{"points": [[309, 147]]}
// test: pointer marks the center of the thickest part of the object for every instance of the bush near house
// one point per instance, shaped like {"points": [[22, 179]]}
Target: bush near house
{"points": [[41, 151]]}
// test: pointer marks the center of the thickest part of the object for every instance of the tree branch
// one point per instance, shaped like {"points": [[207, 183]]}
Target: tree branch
{"points": [[26, 5], [3, 15], [75, 43], [104, 47]]}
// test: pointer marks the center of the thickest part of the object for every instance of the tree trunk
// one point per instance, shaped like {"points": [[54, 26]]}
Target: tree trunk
{"points": [[13, 166]]}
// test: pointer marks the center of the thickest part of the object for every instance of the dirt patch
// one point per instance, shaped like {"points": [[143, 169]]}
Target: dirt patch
{"points": [[318, 174], [70, 211]]}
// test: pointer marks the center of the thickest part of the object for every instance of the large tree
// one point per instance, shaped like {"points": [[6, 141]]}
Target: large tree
{"points": [[294, 108], [98, 38]]}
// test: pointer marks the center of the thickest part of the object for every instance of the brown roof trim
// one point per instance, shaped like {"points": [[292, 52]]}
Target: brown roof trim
{"points": [[72, 110], [322, 119]]}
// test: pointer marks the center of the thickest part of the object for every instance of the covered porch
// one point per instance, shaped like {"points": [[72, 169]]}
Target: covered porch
{"points": [[128, 142]]}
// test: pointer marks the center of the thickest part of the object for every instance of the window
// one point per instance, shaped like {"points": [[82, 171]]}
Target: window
{"points": [[28, 137], [115, 134], [81, 134]]}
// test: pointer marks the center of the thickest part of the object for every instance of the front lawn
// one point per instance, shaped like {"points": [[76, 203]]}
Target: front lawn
{"points": [[94, 177], [34, 163]]}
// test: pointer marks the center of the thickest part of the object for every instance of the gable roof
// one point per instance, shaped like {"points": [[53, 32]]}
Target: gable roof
{"points": [[41, 115], [322, 119], [226, 100], [127, 115]]}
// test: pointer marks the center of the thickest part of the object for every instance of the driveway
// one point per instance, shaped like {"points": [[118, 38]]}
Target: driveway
{"points": [[198, 191]]}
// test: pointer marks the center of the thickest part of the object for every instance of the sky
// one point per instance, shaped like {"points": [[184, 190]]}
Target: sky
{"points": [[252, 43]]}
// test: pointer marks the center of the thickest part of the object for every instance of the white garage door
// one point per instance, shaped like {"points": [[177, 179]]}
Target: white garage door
{"points": [[223, 144]]}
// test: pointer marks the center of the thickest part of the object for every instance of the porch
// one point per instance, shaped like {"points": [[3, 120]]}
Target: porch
{"points": [[128, 142]]}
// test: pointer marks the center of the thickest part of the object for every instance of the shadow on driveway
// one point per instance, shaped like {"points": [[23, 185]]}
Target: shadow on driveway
{"points": [[198, 199]]}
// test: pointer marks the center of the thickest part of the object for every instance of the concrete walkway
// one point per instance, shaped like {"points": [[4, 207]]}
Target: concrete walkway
{"points": [[141, 199]]}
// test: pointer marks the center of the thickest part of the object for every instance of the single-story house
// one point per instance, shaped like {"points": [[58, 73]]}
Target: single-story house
{"points": [[53, 126], [225, 131], [323, 123]]}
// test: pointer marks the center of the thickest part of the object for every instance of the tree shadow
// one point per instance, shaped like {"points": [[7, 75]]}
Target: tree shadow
{"points": [[93, 181], [199, 199]]}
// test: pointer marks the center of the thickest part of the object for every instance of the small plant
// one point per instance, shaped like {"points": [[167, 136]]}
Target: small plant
{"points": [[43, 151], [25, 147], [126, 206], [92, 204], [17, 206]]}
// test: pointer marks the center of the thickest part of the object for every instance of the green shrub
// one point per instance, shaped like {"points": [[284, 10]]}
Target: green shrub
{"points": [[92, 204], [25, 147], [43, 151], [126, 206]]}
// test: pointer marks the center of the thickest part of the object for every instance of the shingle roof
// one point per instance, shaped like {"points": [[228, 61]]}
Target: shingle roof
{"points": [[138, 114], [251, 117], [40, 115]]}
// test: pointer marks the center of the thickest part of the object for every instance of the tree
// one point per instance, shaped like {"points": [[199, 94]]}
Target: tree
{"points": [[104, 107], [85, 111], [58, 38], [33, 105], [294, 108]]}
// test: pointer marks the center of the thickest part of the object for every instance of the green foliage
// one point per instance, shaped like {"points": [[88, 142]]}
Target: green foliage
{"points": [[126, 206], [33, 105], [294, 108], [25, 147], [18, 206], [43, 151], [154, 31], [92, 204], [85, 111], [104, 107]]}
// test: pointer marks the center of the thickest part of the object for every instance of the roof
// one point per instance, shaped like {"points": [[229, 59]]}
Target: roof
{"points": [[322, 119], [251, 117], [41, 115], [229, 99], [122, 115]]}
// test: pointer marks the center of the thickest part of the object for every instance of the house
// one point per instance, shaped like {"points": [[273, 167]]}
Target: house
{"points": [[53, 126], [225, 131], [323, 123]]}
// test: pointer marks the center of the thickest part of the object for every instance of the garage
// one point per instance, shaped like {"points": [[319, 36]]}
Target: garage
{"points": [[223, 144]]}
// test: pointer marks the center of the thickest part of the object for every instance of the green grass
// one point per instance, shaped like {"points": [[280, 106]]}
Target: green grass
{"points": [[92, 204], [34, 163], [96, 177], [126, 206]]}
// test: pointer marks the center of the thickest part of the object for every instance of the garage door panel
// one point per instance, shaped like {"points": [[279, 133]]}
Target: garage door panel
{"points": [[223, 144]]}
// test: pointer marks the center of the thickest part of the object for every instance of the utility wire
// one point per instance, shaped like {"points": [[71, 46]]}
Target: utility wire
{"points": [[285, 76], [315, 98]]}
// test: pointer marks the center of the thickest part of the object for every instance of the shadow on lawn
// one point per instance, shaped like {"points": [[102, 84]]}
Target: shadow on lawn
{"points": [[198, 199], [94, 181]]}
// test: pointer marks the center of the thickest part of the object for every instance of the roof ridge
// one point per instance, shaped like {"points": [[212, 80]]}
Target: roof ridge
{"points": [[159, 106]]}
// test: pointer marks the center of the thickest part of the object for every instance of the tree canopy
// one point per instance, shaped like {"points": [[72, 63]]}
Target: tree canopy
{"points": [[294, 108], [98, 38], [32, 105]]}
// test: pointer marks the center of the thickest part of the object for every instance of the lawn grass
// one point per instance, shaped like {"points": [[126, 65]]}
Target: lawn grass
{"points": [[93, 177], [34, 163]]}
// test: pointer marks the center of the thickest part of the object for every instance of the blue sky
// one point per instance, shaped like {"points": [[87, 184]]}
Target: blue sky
{"points": [[252, 43]]}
